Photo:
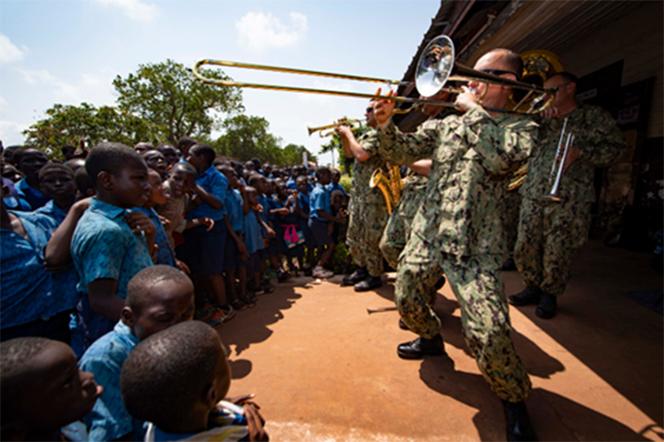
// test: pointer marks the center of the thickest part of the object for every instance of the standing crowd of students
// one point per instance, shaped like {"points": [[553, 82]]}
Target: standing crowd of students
{"points": [[118, 249]]}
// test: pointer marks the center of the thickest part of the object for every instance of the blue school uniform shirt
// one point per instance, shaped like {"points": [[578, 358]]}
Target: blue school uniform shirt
{"points": [[215, 183], [27, 288], [109, 419], [264, 201], [291, 184], [253, 236], [319, 200], [33, 196], [105, 247], [234, 205], [336, 186], [165, 254], [48, 218]]}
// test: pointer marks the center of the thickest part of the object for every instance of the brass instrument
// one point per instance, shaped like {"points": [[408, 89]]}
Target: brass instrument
{"points": [[351, 122], [518, 178], [390, 185], [435, 68], [558, 167]]}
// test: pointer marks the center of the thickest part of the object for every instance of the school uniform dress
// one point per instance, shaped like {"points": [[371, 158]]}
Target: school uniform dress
{"points": [[165, 254], [105, 247], [203, 250], [234, 205]]}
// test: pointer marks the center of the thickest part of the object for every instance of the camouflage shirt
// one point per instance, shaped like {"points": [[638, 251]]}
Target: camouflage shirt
{"points": [[361, 193], [596, 135], [471, 155]]}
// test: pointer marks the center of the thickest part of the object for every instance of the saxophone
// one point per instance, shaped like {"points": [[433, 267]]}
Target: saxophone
{"points": [[389, 184]]}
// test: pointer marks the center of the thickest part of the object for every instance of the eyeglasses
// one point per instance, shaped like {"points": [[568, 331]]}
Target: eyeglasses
{"points": [[369, 110], [497, 72]]}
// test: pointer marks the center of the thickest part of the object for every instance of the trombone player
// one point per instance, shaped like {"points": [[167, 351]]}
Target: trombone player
{"points": [[368, 213], [549, 232], [459, 233]]}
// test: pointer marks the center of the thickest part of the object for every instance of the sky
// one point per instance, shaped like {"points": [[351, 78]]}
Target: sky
{"points": [[69, 51]]}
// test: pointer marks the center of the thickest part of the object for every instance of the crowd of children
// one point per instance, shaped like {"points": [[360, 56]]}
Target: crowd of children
{"points": [[114, 252]]}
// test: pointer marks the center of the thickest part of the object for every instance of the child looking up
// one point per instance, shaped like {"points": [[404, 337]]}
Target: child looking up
{"points": [[157, 298], [41, 389], [110, 245], [175, 380]]}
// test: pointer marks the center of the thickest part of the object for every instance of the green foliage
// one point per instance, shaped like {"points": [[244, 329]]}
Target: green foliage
{"points": [[346, 182], [335, 144], [67, 124], [177, 104], [247, 137]]}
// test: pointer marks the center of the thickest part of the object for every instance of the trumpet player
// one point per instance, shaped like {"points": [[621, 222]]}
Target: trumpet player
{"points": [[458, 231], [550, 232], [368, 214]]}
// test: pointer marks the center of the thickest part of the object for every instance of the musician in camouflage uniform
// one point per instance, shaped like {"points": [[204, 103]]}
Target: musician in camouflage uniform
{"points": [[458, 231], [399, 224], [368, 214], [551, 232]]}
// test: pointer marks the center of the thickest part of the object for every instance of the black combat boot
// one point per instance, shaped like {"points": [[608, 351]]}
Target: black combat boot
{"points": [[355, 277], [517, 422], [548, 304], [421, 347], [527, 296], [372, 282]]}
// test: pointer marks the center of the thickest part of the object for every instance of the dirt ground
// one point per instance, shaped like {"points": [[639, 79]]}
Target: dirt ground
{"points": [[323, 369]]}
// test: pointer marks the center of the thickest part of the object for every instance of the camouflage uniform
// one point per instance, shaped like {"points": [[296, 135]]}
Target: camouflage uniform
{"points": [[512, 203], [367, 211], [549, 232], [398, 226], [458, 232]]}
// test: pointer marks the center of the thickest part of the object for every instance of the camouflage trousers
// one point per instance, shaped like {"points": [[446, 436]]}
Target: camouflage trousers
{"points": [[365, 228], [511, 219], [398, 226], [549, 235], [484, 311]]}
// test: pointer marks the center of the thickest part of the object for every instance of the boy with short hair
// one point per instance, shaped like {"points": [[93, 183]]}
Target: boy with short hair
{"points": [[175, 380], [321, 222], [156, 160], [41, 389], [110, 244], [164, 254], [30, 161], [157, 298]]}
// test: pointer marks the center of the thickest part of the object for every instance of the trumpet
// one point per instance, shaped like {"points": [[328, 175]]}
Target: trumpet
{"points": [[558, 167], [354, 123], [435, 68]]}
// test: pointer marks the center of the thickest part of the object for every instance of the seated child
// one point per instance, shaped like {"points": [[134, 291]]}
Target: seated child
{"points": [[157, 298], [110, 244], [175, 380], [41, 389]]}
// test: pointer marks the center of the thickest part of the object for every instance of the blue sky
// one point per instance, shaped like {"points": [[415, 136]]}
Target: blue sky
{"points": [[68, 51]]}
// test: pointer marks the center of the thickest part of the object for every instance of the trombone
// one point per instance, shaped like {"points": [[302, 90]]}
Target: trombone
{"points": [[352, 122], [435, 68], [558, 167]]}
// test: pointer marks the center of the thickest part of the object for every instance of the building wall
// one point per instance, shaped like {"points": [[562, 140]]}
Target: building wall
{"points": [[636, 38]]}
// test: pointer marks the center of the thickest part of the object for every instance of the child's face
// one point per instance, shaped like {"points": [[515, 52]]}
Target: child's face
{"points": [[170, 154], [60, 393], [130, 186], [180, 181], [336, 177], [251, 197], [232, 180], [166, 303], [157, 195], [58, 184], [31, 161], [156, 161], [302, 186], [324, 178]]}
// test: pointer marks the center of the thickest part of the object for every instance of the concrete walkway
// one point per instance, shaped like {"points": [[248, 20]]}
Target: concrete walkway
{"points": [[323, 369]]}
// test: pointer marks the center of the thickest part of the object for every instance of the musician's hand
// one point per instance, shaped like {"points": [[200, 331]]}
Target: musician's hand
{"points": [[344, 132], [383, 109], [550, 112], [572, 155], [467, 100]]}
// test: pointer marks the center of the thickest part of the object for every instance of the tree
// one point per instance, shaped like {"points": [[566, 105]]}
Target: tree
{"points": [[292, 154], [67, 124], [176, 104], [335, 145]]}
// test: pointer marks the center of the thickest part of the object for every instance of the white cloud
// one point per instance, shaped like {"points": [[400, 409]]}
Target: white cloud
{"points": [[138, 10], [9, 52], [261, 30], [11, 132], [90, 88], [3, 104]]}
